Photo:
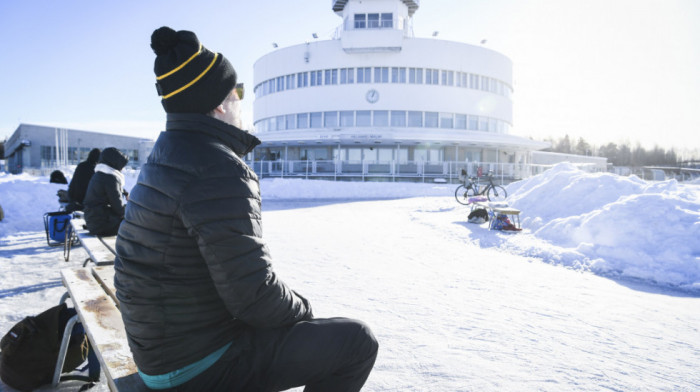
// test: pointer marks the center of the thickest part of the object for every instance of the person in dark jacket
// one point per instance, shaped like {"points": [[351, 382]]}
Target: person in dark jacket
{"points": [[81, 178], [104, 206], [57, 177], [202, 307]]}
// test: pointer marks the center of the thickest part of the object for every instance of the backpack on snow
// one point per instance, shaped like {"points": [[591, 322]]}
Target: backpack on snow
{"points": [[30, 350], [479, 215]]}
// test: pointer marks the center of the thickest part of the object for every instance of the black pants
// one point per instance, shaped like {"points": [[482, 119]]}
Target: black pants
{"points": [[323, 354]]}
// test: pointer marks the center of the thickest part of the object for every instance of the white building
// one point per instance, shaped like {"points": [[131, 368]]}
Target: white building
{"points": [[376, 101]]}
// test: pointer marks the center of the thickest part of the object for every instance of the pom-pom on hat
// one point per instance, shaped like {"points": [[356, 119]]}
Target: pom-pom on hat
{"points": [[189, 77]]}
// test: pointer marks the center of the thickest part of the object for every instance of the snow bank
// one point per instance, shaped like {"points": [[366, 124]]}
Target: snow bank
{"points": [[613, 225]]}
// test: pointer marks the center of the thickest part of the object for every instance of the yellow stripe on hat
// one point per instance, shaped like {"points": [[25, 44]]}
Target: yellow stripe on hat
{"points": [[195, 79], [165, 75]]}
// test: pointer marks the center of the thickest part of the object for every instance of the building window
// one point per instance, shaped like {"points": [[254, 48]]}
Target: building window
{"points": [[474, 81], [415, 75], [473, 123], [493, 126], [331, 76], [483, 123], [290, 81], [369, 154], [364, 118], [431, 119], [398, 75], [280, 123], [415, 119], [381, 74], [398, 118], [319, 77], [330, 119], [302, 120], [355, 154], [381, 118], [316, 120], [484, 83], [347, 118], [360, 21], [461, 121], [289, 119], [364, 75], [347, 75], [447, 78], [372, 21], [387, 21], [432, 76], [385, 154], [302, 79], [48, 153], [446, 120], [280, 83]]}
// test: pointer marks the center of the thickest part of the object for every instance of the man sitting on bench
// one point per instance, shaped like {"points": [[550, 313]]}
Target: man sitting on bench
{"points": [[104, 206], [202, 308]]}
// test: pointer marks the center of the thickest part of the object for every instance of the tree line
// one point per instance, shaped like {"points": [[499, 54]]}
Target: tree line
{"points": [[622, 154]]}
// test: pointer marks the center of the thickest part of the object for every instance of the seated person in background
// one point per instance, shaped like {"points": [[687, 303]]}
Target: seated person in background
{"points": [[57, 177], [104, 206], [81, 178]]}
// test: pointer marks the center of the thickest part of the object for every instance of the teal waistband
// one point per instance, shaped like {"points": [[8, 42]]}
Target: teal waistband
{"points": [[181, 376]]}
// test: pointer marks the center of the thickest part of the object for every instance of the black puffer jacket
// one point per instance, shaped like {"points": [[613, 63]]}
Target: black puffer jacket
{"points": [[104, 206], [82, 176], [192, 269]]}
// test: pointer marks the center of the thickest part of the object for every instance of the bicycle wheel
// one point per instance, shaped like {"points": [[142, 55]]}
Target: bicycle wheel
{"points": [[496, 193], [462, 194]]}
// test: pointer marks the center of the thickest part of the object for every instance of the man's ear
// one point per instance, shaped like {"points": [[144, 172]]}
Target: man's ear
{"points": [[219, 109]]}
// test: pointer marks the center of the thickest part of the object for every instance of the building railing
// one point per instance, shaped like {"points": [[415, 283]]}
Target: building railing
{"points": [[413, 171]]}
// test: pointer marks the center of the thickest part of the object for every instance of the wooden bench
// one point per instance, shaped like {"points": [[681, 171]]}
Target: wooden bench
{"points": [[496, 208], [92, 292], [100, 250]]}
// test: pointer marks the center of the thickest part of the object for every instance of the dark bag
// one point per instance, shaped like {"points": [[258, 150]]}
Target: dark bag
{"points": [[479, 215], [56, 225], [30, 350]]}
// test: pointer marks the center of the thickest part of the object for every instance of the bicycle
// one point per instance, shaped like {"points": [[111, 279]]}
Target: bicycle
{"points": [[470, 188]]}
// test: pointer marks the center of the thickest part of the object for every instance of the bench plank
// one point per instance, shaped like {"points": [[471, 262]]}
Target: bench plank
{"points": [[101, 250], [105, 277], [105, 329]]}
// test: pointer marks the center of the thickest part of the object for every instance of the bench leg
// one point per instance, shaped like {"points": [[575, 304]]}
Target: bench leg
{"points": [[69, 242], [64, 348], [65, 296]]}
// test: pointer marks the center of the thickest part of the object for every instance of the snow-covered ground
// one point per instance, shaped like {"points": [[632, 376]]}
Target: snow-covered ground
{"points": [[601, 290]]}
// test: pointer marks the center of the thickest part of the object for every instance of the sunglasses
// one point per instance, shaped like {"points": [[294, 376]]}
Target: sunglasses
{"points": [[240, 90]]}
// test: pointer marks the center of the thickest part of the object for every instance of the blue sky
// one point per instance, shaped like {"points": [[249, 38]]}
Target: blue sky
{"points": [[622, 70]]}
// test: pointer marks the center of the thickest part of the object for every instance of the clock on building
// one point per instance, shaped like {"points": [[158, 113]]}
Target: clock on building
{"points": [[372, 96]]}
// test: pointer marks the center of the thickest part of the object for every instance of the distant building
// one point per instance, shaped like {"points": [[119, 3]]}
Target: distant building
{"points": [[377, 102], [37, 147]]}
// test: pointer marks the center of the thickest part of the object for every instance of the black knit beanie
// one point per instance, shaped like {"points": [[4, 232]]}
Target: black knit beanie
{"points": [[189, 77]]}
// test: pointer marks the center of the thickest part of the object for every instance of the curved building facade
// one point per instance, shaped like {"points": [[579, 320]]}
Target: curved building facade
{"points": [[377, 102]]}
